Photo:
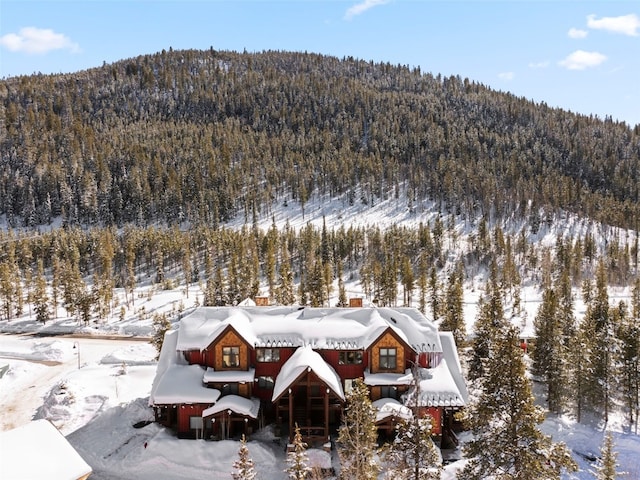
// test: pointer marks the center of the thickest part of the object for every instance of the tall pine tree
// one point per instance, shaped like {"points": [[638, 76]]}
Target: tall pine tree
{"points": [[357, 436], [507, 443], [550, 355], [489, 322]]}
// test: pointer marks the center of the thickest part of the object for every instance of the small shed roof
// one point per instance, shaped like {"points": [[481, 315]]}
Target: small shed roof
{"points": [[237, 404]]}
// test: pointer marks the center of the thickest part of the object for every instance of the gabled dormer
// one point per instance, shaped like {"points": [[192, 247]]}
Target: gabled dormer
{"points": [[228, 351], [389, 353]]}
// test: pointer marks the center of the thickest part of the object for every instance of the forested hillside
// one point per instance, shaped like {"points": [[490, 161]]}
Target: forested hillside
{"points": [[206, 136], [167, 172]]}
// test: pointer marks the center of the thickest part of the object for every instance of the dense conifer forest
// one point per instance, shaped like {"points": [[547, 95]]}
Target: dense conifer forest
{"points": [[204, 136]]}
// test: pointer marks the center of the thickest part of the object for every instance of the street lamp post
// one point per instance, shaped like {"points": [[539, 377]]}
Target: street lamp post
{"points": [[77, 345]]}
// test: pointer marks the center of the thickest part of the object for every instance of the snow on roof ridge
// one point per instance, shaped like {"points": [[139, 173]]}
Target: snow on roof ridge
{"points": [[305, 358], [324, 328]]}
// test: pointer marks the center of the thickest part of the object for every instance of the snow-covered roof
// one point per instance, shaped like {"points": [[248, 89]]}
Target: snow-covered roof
{"points": [[390, 407], [38, 450], [229, 376], [240, 405], [177, 382], [374, 379], [247, 302], [304, 358], [450, 355], [322, 328], [183, 384], [437, 388]]}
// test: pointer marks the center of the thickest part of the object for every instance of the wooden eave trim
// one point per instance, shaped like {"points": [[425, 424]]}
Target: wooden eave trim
{"points": [[224, 331], [302, 374], [395, 335]]}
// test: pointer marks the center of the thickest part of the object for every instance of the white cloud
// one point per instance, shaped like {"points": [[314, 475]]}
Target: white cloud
{"points": [[543, 64], [625, 24], [577, 33], [506, 76], [362, 7], [37, 40], [579, 60]]}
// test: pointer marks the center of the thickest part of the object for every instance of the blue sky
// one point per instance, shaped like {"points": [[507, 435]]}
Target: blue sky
{"points": [[580, 55]]}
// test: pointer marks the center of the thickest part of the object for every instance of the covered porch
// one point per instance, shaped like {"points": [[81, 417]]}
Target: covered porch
{"points": [[308, 393], [231, 416]]}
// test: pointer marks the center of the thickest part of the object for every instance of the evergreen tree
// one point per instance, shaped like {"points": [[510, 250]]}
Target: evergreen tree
{"points": [[342, 293], [507, 443], [285, 289], [269, 253], [56, 274], [316, 285], [606, 465], [357, 436], [219, 288], [408, 281], [581, 371], [40, 297], [422, 283], [635, 299], [297, 460], [454, 320], [412, 455], [599, 337], [550, 355], [7, 289], [489, 322], [84, 302], [243, 466], [160, 325], [628, 361], [434, 297]]}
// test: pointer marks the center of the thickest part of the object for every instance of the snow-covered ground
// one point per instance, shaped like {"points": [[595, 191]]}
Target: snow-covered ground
{"points": [[99, 405]]}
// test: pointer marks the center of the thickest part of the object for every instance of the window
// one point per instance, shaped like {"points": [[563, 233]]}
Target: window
{"points": [[231, 357], [268, 354], [265, 382], [387, 358], [351, 357], [387, 391], [195, 423], [229, 389]]}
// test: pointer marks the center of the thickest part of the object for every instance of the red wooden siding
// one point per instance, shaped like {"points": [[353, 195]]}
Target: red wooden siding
{"points": [[194, 356], [268, 369], [332, 357], [187, 411]]}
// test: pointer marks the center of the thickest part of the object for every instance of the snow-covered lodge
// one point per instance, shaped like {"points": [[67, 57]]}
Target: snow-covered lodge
{"points": [[229, 370]]}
